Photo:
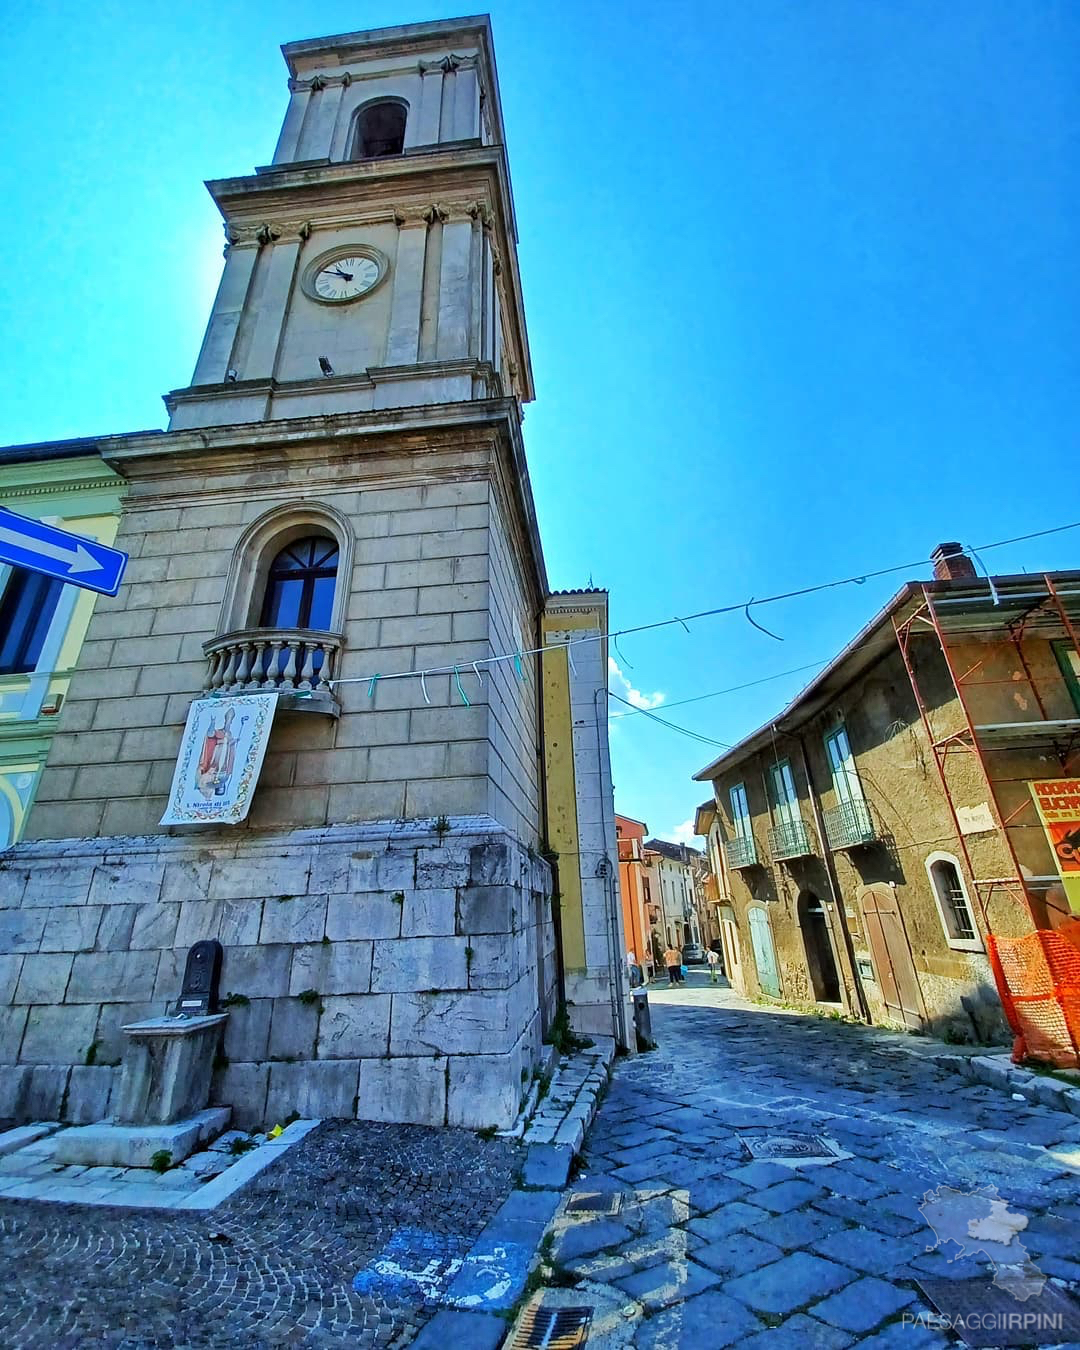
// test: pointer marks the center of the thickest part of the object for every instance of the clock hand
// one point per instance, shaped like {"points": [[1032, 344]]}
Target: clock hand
{"points": [[345, 276]]}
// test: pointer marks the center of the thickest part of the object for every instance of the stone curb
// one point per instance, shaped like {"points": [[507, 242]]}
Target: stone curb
{"points": [[568, 1109], [153, 1195], [557, 1132], [12, 1140], [999, 1071]]}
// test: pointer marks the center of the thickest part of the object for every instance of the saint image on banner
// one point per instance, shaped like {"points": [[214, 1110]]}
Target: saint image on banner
{"points": [[217, 759], [220, 757]]}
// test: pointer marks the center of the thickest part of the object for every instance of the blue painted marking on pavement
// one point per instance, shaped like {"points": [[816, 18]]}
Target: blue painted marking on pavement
{"points": [[412, 1262], [38, 547], [492, 1275]]}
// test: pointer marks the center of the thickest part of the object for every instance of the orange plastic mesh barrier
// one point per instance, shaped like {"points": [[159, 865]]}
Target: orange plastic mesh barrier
{"points": [[1038, 977]]}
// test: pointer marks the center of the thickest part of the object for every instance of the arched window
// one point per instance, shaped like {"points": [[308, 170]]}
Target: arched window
{"points": [[300, 585], [380, 130], [953, 903]]}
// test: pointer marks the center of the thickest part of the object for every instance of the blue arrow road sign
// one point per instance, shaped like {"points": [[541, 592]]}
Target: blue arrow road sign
{"points": [[57, 553]]}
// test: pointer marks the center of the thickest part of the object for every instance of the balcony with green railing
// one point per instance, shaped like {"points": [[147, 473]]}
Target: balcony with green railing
{"points": [[741, 852], [850, 825], [789, 839]]}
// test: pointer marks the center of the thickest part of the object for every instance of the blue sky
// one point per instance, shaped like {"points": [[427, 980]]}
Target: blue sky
{"points": [[801, 283]]}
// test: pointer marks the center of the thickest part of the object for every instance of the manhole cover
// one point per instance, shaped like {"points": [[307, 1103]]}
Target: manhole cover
{"points": [[981, 1313], [552, 1328], [789, 1146], [595, 1202]]}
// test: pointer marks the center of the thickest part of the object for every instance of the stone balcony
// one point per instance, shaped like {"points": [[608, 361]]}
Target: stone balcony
{"points": [[299, 663]]}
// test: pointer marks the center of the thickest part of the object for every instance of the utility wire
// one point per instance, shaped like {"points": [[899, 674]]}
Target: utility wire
{"points": [[695, 735], [683, 620], [732, 689]]}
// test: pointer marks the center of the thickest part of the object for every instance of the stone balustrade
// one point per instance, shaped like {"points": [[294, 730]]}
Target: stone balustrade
{"points": [[290, 660]]}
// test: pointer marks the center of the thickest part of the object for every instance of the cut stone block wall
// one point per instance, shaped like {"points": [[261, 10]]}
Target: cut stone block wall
{"points": [[433, 584], [378, 971]]}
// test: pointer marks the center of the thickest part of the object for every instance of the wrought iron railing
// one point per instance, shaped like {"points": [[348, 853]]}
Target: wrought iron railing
{"points": [[789, 839], [740, 852], [850, 824], [290, 660]]}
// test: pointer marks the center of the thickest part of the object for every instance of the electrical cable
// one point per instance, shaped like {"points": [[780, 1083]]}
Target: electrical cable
{"points": [[674, 726], [732, 689], [614, 634]]}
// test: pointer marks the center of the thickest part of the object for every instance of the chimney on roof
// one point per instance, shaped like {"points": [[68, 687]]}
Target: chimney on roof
{"points": [[951, 563]]}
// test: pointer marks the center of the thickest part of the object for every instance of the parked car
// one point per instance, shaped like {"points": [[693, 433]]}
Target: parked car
{"points": [[693, 954]]}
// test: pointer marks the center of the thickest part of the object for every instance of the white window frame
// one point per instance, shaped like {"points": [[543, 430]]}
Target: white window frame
{"points": [[845, 776], [972, 944], [783, 796], [741, 821]]}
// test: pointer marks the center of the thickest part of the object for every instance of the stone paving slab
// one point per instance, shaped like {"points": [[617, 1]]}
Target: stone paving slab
{"points": [[824, 1255], [863, 1305], [711, 1319]]}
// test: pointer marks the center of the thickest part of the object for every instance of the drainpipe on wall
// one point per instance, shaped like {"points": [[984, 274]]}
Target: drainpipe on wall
{"points": [[845, 944], [553, 863], [610, 873]]}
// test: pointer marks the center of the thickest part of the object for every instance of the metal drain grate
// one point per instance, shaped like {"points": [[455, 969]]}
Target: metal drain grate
{"points": [[595, 1202], [553, 1328], [785, 1147], [981, 1313]]}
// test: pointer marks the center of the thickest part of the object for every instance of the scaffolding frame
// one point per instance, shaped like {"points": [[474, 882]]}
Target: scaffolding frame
{"points": [[1000, 613]]}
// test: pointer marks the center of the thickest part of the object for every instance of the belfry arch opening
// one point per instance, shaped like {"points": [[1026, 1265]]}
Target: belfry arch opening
{"points": [[380, 130]]}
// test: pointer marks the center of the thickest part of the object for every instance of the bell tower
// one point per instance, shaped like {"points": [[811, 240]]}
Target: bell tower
{"points": [[334, 550], [373, 264]]}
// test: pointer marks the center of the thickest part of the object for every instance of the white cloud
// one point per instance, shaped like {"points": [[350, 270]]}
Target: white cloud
{"points": [[634, 696], [682, 834]]}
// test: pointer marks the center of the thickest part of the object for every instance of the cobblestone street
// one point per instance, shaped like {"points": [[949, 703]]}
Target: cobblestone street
{"points": [[717, 1249], [273, 1266]]}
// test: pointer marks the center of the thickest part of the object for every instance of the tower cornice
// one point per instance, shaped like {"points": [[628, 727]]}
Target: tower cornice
{"points": [[289, 200]]}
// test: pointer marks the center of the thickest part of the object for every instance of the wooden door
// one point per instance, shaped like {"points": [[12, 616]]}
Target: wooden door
{"points": [[891, 951], [764, 951]]}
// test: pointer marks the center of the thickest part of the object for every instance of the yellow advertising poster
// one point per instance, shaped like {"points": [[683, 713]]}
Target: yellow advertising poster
{"points": [[1058, 803]]}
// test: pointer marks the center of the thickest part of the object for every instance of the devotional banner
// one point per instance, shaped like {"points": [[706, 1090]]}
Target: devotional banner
{"points": [[219, 761], [1058, 801]]}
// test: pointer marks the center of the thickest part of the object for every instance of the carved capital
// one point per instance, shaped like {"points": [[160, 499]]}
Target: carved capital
{"points": [[318, 82], [457, 211], [479, 211], [268, 232], [447, 64], [241, 234], [293, 229], [410, 216], [436, 212]]}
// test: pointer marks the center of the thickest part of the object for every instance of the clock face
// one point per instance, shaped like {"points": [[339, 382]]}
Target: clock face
{"points": [[345, 278]]}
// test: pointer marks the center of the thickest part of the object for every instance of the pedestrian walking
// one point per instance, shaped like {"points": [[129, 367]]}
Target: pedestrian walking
{"points": [[673, 961], [714, 962]]}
